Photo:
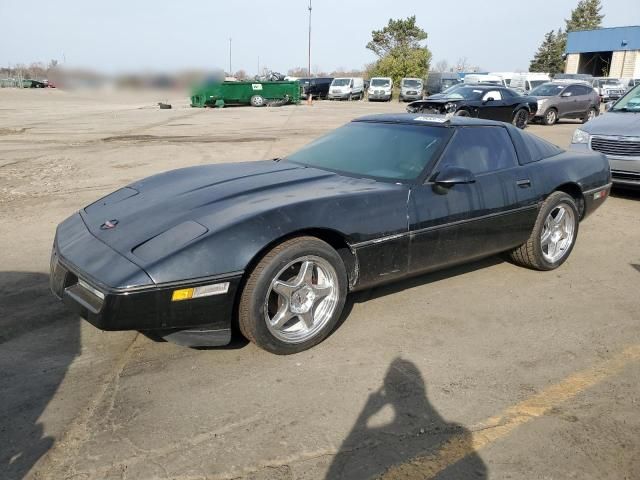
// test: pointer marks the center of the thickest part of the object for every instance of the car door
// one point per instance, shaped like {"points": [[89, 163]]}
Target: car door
{"points": [[569, 102], [585, 99], [494, 106], [463, 222]]}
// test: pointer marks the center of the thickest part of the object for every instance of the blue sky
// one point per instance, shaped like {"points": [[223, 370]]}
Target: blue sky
{"points": [[136, 35]]}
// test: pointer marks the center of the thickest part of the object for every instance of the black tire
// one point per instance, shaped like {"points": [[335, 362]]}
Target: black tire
{"points": [[251, 309], [462, 113], [257, 101], [590, 115], [530, 254], [520, 118], [550, 117]]}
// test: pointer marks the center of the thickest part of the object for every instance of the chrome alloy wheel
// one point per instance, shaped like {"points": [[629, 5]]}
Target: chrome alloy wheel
{"points": [[591, 114], [557, 234], [551, 117], [301, 299]]}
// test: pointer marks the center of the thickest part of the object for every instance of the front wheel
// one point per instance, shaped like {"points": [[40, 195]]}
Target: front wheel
{"points": [[550, 117], [294, 296], [554, 234], [521, 118]]}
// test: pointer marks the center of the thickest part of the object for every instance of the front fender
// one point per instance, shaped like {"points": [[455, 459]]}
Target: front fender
{"points": [[231, 246]]}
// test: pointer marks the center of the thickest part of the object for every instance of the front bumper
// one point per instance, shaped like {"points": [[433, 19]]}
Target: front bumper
{"points": [[338, 96], [410, 97], [379, 96], [147, 307], [625, 171]]}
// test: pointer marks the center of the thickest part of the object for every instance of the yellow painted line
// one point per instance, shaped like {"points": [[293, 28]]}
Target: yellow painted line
{"points": [[500, 426]]}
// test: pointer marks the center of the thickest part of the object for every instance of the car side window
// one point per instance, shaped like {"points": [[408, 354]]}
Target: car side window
{"points": [[584, 90], [571, 91], [495, 94], [480, 150]]}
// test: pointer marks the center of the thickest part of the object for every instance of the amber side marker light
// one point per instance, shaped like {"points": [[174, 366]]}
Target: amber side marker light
{"points": [[199, 292]]}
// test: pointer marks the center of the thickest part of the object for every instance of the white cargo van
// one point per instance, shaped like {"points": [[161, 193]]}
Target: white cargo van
{"points": [[525, 82], [505, 76], [346, 88], [380, 88], [475, 78]]}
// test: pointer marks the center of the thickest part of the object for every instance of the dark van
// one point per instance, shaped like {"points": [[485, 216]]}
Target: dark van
{"points": [[439, 81], [318, 87]]}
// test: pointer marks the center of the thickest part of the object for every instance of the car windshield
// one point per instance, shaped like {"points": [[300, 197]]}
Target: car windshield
{"points": [[548, 90], [629, 103], [341, 82], [411, 83], [453, 88], [380, 82], [379, 150], [466, 93]]}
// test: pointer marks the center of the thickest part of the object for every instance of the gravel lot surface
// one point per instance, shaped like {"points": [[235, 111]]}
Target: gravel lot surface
{"points": [[483, 371]]}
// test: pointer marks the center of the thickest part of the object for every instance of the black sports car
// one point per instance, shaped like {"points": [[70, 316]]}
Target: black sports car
{"points": [[481, 101], [275, 246]]}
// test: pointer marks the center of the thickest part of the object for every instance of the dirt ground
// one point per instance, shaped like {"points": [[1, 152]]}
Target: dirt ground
{"points": [[482, 371]]}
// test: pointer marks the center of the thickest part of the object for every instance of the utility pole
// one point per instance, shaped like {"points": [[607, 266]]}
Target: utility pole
{"points": [[230, 72], [309, 65]]}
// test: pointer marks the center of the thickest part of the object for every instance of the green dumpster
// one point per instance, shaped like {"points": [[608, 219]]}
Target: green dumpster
{"points": [[257, 94]]}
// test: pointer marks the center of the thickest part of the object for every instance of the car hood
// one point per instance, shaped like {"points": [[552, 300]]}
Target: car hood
{"points": [[614, 123], [160, 214]]}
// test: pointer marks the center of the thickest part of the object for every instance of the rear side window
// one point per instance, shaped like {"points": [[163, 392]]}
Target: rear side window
{"points": [[480, 150], [539, 148]]}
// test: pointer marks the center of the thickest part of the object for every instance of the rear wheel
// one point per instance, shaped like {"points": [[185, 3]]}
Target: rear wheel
{"points": [[521, 118], [554, 234], [550, 117], [257, 101], [294, 296], [591, 114]]}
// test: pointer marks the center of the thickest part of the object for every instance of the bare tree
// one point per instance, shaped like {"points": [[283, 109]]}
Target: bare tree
{"points": [[463, 65], [441, 66]]}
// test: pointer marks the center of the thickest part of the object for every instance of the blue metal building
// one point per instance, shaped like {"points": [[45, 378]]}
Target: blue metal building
{"points": [[605, 52]]}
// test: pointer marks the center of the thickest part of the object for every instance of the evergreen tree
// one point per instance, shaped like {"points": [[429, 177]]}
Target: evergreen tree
{"points": [[586, 16], [399, 50], [550, 55]]}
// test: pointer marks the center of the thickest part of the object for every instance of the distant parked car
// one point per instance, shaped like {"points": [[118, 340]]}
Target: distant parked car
{"points": [[411, 89], [582, 77], [481, 101], [317, 87], [561, 99], [346, 88], [380, 88], [632, 83], [438, 82], [608, 88], [617, 135]]}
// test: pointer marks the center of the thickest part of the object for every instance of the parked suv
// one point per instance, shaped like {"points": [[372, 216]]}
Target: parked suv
{"points": [[411, 89], [380, 88], [561, 99], [617, 135], [608, 88]]}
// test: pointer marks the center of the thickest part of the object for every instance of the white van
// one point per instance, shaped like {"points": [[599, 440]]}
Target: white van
{"points": [[505, 76], [525, 82], [346, 88], [380, 88], [475, 78]]}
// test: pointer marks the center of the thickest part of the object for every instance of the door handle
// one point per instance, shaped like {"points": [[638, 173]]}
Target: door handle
{"points": [[524, 183]]}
